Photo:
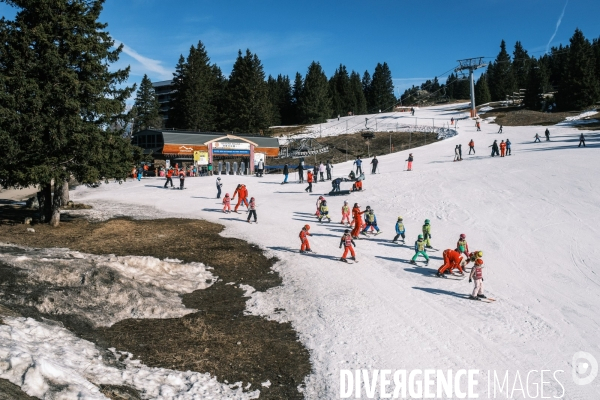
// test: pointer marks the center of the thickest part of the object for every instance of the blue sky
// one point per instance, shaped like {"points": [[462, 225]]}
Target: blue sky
{"points": [[418, 39]]}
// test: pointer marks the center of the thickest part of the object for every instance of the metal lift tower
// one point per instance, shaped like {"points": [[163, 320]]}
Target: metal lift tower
{"points": [[470, 64]]}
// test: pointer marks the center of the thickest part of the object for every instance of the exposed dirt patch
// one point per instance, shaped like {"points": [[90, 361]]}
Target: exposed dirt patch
{"points": [[10, 391], [516, 116], [218, 339]]}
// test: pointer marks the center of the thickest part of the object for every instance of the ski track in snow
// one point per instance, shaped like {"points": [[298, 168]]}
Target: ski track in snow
{"points": [[535, 215]]}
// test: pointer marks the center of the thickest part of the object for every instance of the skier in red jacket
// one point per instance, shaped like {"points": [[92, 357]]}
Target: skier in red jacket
{"points": [[358, 221], [242, 193], [452, 259], [304, 234], [347, 242]]}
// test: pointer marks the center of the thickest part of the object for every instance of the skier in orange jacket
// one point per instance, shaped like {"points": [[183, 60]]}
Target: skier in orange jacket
{"points": [[242, 193], [358, 221], [304, 234], [452, 259], [502, 148]]}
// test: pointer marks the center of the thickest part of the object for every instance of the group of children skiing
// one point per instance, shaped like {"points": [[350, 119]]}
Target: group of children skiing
{"points": [[242, 192]]}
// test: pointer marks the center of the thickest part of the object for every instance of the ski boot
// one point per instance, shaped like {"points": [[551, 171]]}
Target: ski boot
{"points": [[473, 297], [482, 296], [413, 262], [344, 260]]}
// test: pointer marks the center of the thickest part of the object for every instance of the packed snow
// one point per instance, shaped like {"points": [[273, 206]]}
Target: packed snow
{"points": [[534, 214]]}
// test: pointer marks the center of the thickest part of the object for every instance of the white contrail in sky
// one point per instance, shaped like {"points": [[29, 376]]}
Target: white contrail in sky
{"points": [[562, 14], [148, 64]]}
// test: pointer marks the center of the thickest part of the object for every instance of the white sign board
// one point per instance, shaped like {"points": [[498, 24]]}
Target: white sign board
{"points": [[231, 145]]}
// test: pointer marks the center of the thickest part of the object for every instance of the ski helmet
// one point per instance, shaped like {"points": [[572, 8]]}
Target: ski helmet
{"points": [[226, 194], [347, 231], [463, 236], [368, 207], [251, 198], [399, 218], [426, 221], [323, 201], [219, 178], [420, 236], [345, 201], [479, 261], [307, 226], [321, 198], [480, 254]]}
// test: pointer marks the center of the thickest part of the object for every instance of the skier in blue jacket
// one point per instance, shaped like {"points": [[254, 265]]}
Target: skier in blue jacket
{"points": [[400, 230]]}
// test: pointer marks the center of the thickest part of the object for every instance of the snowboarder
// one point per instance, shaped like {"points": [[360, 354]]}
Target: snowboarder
{"points": [[181, 179], [427, 234], [500, 130], [471, 147], [304, 234], [502, 148], [452, 259], [462, 246], [400, 230], [345, 213], [242, 193], [324, 211], [335, 184], [309, 179], [252, 209], [477, 275], [358, 163], [537, 138], [547, 133], [286, 172], [357, 218], [319, 201], [508, 143], [581, 140], [420, 250], [328, 168], [169, 177], [410, 161], [322, 171], [371, 221], [456, 157], [226, 204], [374, 163], [347, 241], [494, 147], [219, 184]]}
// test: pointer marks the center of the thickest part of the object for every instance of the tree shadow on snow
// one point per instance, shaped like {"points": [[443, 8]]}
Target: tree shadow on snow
{"points": [[440, 292], [425, 271], [156, 186], [213, 210], [394, 259], [200, 197], [313, 255], [324, 234], [303, 213], [389, 244], [287, 192]]}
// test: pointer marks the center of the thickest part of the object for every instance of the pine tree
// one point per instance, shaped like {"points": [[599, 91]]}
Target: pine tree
{"points": [[482, 91], [280, 96], [59, 97], [500, 75], [537, 84], [249, 109], [176, 106], [366, 85], [145, 108], [340, 92], [296, 96], [382, 88], [578, 88], [315, 104], [520, 65], [359, 105]]}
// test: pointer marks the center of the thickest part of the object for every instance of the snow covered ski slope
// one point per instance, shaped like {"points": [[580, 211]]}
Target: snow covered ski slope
{"points": [[534, 214]]}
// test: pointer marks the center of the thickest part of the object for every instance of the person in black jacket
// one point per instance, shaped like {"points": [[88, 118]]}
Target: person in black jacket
{"points": [[300, 172], [286, 172], [374, 162], [495, 150], [581, 140]]}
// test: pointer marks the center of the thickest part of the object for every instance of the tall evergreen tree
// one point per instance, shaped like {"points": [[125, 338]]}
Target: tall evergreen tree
{"points": [[537, 84], [359, 105], [280, 96], [382, 88], [500, 75], [366, 85], [578, 88], [249, 109], [342, 98], [315, 104], [482, 91], [296, 96], [520, 65], [176, 106], [58, 99], [145, 108]]}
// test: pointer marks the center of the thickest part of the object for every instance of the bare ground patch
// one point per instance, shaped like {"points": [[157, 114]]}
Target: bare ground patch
{"points": [[516, 116], [219, 338]]}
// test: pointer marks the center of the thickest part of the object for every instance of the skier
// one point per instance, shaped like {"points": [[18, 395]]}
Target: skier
{"points": [[581, 140], [345, 213], [452, 259], [502, 148], [456, 157], [319, 201], [219, 184], [508, 143], [477, 254], [300, 172], [226, 204], [477, 275], [471, 147], [410, 161], [547, 133], [371, 221], [309, 179], [140, 173], [252, 208], [260, 168], [462, 246], [374, 162], [400, 230], [358, 222], [181, 179], [347, 241], [242, 193], [537, 138], [169, 177], [328, 168], [322, 171], [315, 174], [460, 152], [324, 211], [478, 125], [500, 130], [335, 184], [427, 234], [358, 163], [494, 147], [286, 172], [420, 250], [304, 234]]}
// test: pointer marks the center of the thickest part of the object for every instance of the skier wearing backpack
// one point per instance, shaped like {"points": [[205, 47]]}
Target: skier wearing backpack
{"points": [[427, 234], [400, 230], [347, 241], [420, 251], [462, 246], [304, 234], [324, 211], [452, 259], [371, 221], [477, 276], [345, 213]]}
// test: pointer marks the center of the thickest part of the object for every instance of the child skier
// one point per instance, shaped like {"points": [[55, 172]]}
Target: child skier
{"points": [[319, 200], [477, 254], [427, 234], [252, 209], [410, 161], [347, 242], [477, 275], [371, 221], [345, 212], [420, 250], [462, 246], [452, 259], [400, 230], [324, 211], [227, 203], [304, 234]]}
